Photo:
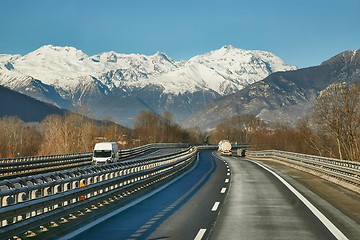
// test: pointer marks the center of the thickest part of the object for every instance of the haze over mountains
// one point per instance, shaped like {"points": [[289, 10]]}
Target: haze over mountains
{"points": [[24, 107], [200, 92], [119, 86], [283, 96]]}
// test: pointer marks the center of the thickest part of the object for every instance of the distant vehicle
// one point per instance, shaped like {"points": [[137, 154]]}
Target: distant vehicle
{"points": [[241, 152], [105, 152], [225, 147]]}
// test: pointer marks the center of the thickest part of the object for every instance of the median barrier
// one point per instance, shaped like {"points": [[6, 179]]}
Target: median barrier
{"points": [[30, 202]]}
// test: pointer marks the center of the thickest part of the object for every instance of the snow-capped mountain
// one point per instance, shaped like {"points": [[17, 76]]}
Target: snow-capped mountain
{"points": [[68, 68], [224, 71], [282, 96], [120, 85]]}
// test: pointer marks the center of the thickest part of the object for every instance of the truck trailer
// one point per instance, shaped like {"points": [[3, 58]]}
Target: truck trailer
{"points": [[105, 152], [225, 147]]}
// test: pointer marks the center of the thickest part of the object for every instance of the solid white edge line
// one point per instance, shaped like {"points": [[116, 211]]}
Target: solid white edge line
{"points": [[328, 224], [200, 234], [215, 207]]}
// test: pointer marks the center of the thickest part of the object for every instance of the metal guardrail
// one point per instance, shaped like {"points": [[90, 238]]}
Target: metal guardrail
{"points": [[27, 165], [22, 166], [344, 170], [26, 203], [125, 153], [233, 146]]}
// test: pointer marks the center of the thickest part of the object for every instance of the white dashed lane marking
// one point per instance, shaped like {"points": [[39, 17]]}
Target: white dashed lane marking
{"points": [[215, 207], [200, 234]]}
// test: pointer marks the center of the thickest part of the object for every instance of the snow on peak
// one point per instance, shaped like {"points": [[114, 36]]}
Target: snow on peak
{"points": [[68, 67], [111, 57], [57, 52], [237, 56], [8, 57], [55, 65], [228, 47], [161, 54], [225, 70], [164, 57]]}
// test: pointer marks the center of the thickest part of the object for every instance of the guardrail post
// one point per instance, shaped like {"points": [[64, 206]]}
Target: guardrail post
{"points": [[42, 193], [342, 172]]}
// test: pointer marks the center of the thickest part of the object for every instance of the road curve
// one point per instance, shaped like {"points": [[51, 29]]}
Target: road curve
{"points": [[260, 206], [197, 216], [224, 198], [153, 214]]}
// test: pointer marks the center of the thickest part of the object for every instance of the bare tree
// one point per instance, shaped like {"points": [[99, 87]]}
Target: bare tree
{"points": [[337, 112], [50, 128], [17, 138], [67, 134], [237, 129], [150, 127], [146, 127]]}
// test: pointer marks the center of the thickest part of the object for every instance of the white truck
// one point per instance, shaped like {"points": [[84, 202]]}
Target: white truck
{"points": [[105, 152], [225, 147]]}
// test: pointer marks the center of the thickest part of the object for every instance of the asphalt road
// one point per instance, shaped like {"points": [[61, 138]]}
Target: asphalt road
{"points": [[197, 216], [153, 216], [259, 206], [226, 198]]}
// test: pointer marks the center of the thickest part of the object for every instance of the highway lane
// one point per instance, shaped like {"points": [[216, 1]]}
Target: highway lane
{"points": [[196, 218], [231, 198], [260, 206], [154, 214]]}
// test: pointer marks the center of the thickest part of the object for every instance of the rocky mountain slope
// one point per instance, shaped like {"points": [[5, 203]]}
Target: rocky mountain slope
{"points": [[282, 96], [119, 86], [24, 107]]}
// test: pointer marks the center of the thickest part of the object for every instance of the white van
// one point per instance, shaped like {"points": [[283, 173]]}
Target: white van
{"points": [[105, 152]]}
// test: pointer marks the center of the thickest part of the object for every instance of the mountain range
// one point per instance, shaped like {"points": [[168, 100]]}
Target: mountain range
{"points": [[200, 92], [119, 86], [283, 96]]}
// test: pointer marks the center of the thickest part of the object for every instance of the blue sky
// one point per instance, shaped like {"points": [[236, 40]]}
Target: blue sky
{"points": [[301, 32]]}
